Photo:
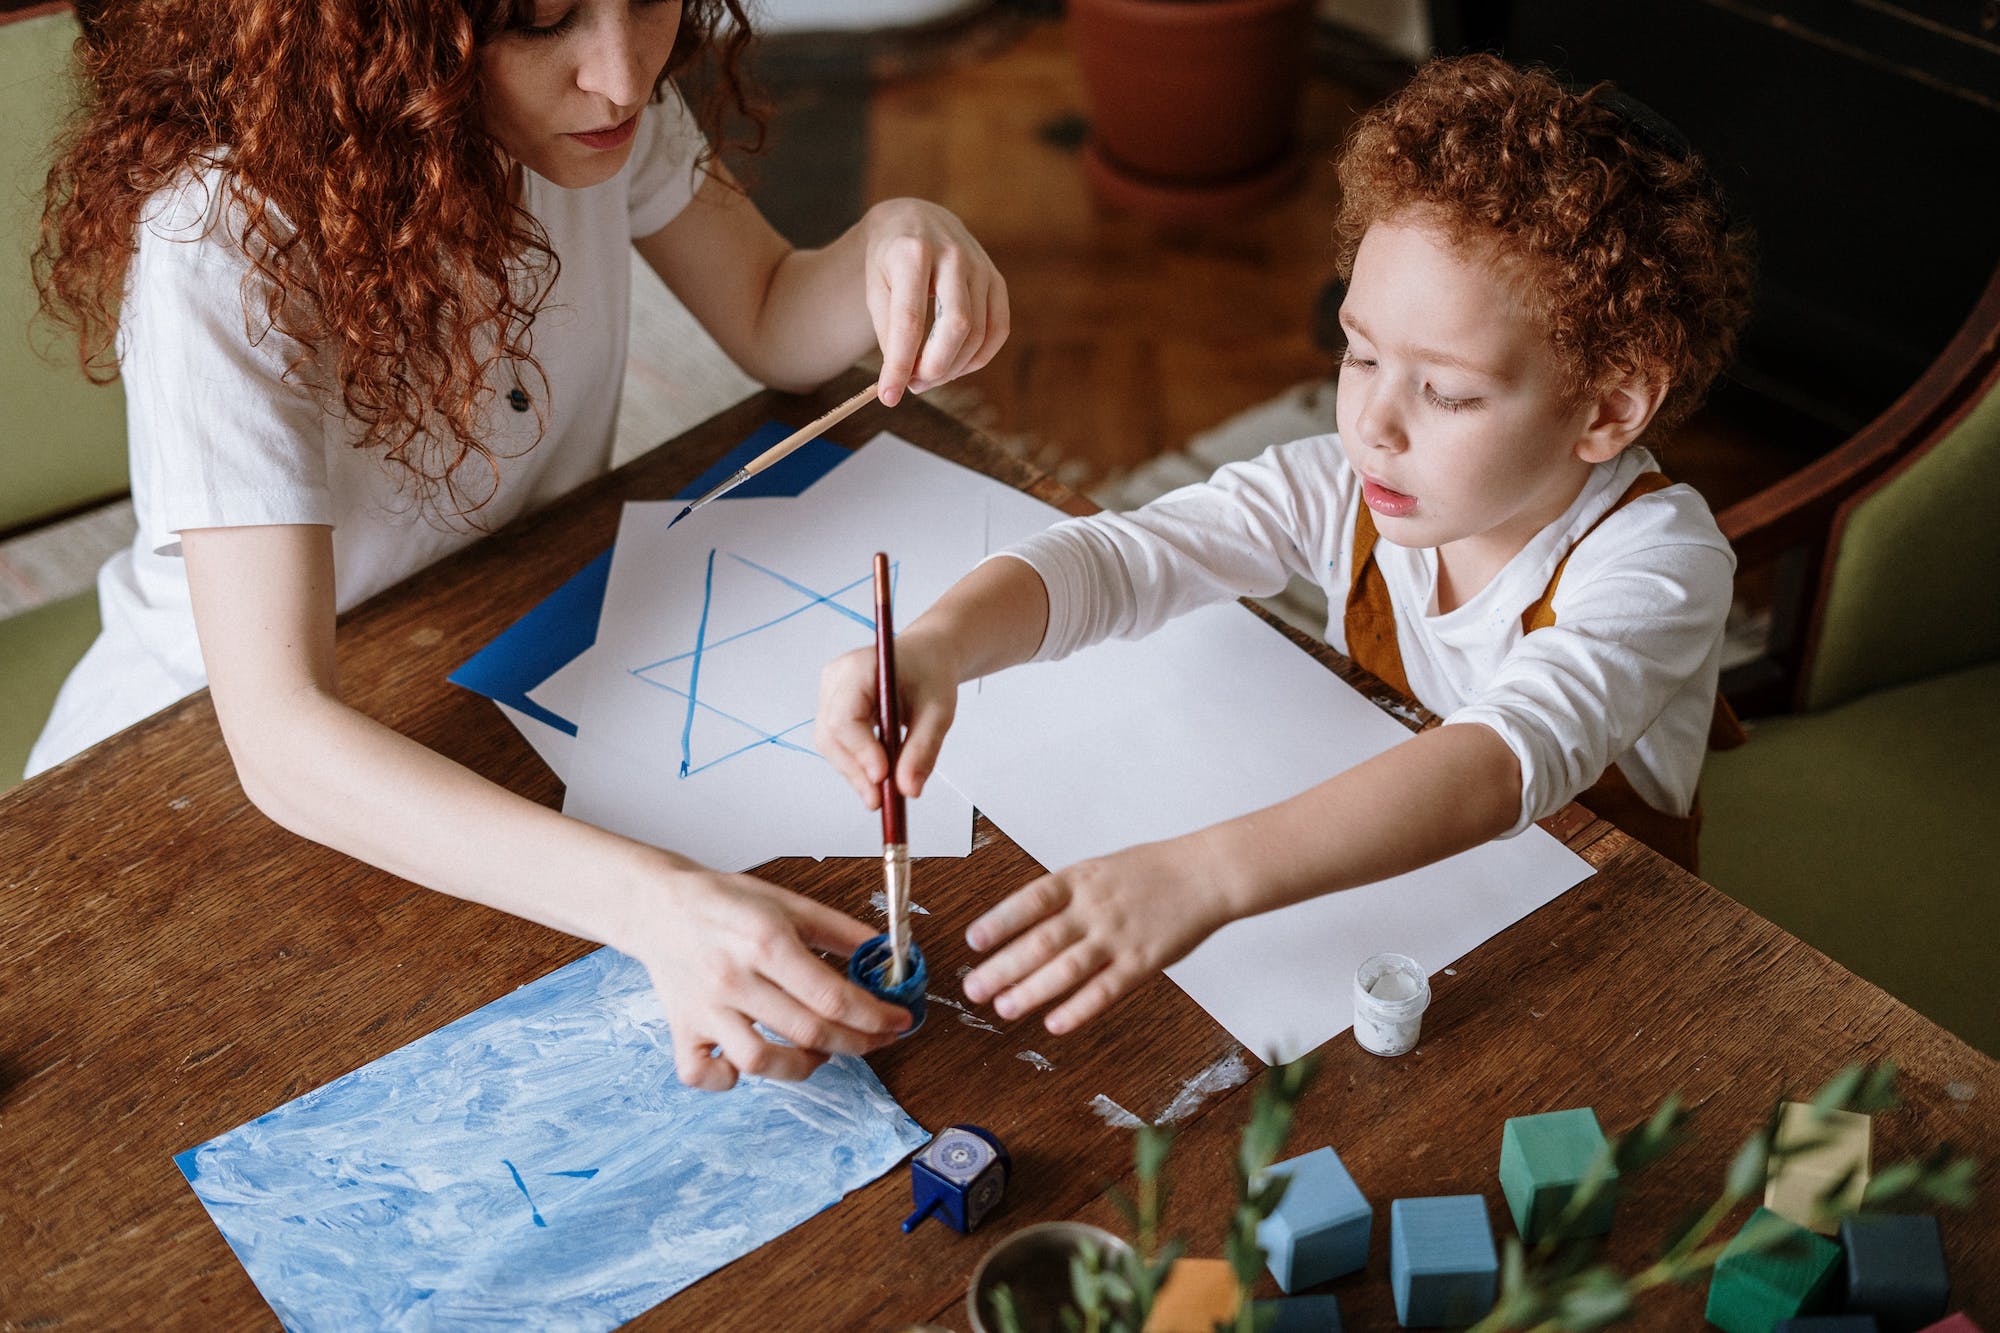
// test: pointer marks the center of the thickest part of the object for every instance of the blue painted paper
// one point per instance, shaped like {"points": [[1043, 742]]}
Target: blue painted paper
{"points": [[564, 624], [533, 1165]]}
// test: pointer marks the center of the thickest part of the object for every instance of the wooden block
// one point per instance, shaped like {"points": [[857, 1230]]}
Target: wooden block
{"points": [[1197, 1295], [1895, 1269], [1958, 1323], [1828, 1323], [1750, 1291], [1301, 1314], [1790, 1192], [1543, 1158], [1441, 1260], [1320, 1229]]}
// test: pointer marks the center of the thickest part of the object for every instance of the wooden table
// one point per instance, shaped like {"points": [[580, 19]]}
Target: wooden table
{"points": [[172, 964]]}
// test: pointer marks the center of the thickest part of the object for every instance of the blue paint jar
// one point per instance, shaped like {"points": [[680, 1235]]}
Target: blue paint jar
{"points": [[869, 969]]}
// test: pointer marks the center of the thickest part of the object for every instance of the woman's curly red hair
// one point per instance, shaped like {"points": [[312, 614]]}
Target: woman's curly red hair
{"points": [[378, 215], [1634, 263]]}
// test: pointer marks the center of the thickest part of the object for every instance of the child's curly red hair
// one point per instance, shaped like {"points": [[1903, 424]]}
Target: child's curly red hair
{"points": [[1636, 267], [378, 214]]}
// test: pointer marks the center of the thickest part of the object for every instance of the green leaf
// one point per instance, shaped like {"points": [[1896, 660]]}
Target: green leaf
{"points": [[1597, 1297], [1955, 1183], [1746, 1173], [1653, 1140], [1513, 1266], [1126, 1208], [1000, 1300], [1878, 1091], [1149, 1150], [1892, 1184], [1839, 1091]]}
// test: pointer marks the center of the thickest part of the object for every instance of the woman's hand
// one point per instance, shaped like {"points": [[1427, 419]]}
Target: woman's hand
{"points": [[916, 253], [844, 725], [1094, 931], [726, 952]]}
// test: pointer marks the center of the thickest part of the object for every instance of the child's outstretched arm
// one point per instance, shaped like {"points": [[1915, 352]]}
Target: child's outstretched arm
{"points": [[723, 951], [992, 618], [795, 318], [1083, 936]]}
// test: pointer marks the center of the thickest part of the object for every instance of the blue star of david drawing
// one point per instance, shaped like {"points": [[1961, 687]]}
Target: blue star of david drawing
{"points": [[757, 735]]}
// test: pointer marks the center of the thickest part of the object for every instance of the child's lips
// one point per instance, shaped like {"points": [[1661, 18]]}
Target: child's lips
{"points": [[1390, 504]]}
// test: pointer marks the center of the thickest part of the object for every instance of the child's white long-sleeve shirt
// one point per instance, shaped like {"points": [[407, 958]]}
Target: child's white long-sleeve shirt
{"points": [[1626, 675]]}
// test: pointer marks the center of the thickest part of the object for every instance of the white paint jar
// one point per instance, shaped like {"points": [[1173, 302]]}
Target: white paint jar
{"points": [[1390, 995]]}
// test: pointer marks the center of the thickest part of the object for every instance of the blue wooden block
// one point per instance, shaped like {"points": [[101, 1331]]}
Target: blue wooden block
{"points": [[1543, 1158], [1301, 1314], [1441, 1260], [1828, 1323], [1320, 1229], [1895, 1269]]}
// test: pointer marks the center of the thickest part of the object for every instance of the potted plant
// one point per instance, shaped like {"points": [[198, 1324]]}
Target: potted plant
{"points": [[1194, 104]]}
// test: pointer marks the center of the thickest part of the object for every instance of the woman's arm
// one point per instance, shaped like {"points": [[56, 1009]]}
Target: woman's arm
{"points": [[795, 318], [723, 951]]}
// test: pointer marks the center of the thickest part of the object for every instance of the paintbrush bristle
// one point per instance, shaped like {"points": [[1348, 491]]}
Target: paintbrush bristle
{"points": [[678, 517]]}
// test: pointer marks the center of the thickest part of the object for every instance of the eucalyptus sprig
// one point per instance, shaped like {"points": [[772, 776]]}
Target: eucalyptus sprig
{"points": [[1558, 1285]]}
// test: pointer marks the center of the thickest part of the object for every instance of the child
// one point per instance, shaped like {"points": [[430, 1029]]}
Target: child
{"points": [[1537, 279], [364, 271]]}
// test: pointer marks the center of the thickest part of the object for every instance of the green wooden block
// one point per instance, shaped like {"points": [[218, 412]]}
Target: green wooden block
{"points": [[1543, 1158], [1753, 1289]]}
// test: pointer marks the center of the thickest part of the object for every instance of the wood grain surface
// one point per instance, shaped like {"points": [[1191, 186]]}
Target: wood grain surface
{"points": [[173, 964]]}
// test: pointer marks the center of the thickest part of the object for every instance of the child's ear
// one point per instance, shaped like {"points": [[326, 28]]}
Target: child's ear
{"points": [[1616, 416]]}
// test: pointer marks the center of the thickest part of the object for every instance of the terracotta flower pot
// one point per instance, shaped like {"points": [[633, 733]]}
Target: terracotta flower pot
{"points": [[1193, 103]]}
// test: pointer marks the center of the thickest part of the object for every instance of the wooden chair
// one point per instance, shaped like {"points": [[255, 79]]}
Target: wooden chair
{"points": [[62, 439], [1861, 818]]}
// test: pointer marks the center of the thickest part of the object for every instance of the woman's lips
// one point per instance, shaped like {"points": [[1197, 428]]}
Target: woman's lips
{"points": [[1388, 503], [614, 137]]}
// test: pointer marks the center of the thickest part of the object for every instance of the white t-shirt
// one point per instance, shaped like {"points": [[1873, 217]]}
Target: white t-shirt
{"points": [[220, 438], [1626, 674]]}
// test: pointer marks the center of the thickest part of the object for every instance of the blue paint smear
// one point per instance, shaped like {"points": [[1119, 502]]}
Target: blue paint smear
{"points": [[564, 624], [375, 1202]]}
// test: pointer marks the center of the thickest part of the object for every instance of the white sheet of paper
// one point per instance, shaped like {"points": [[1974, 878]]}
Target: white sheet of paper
{"points": [[696, 703], [551, 744], [1214, 716]]}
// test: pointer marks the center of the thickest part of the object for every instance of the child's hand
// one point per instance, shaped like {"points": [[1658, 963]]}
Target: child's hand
{"points": [[1095, 930], [917, 251], [844, 727], [727, 951]]}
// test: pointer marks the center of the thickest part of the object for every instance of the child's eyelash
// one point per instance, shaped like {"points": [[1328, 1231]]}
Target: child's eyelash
{"points": [[1349, 361], [1436, 399]]}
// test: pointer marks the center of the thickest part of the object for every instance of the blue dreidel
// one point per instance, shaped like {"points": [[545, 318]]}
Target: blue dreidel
{"points": [[869, 969], [959, 1176]]}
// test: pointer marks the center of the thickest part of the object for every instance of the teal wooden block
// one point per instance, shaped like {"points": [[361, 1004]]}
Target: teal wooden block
{"points": [[1751, 1291], [1441, 1260], [1828, 1323], [1301, 1314], [1320, 1228], [1543, 1158], [1895, 1269]]}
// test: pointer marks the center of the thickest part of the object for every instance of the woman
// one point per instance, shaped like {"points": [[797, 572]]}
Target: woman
{"points": [[363, 270]]}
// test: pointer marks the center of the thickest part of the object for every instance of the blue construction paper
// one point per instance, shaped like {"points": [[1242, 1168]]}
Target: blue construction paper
{"points": [[564, 624], [539, 644], [533, 1165]]}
